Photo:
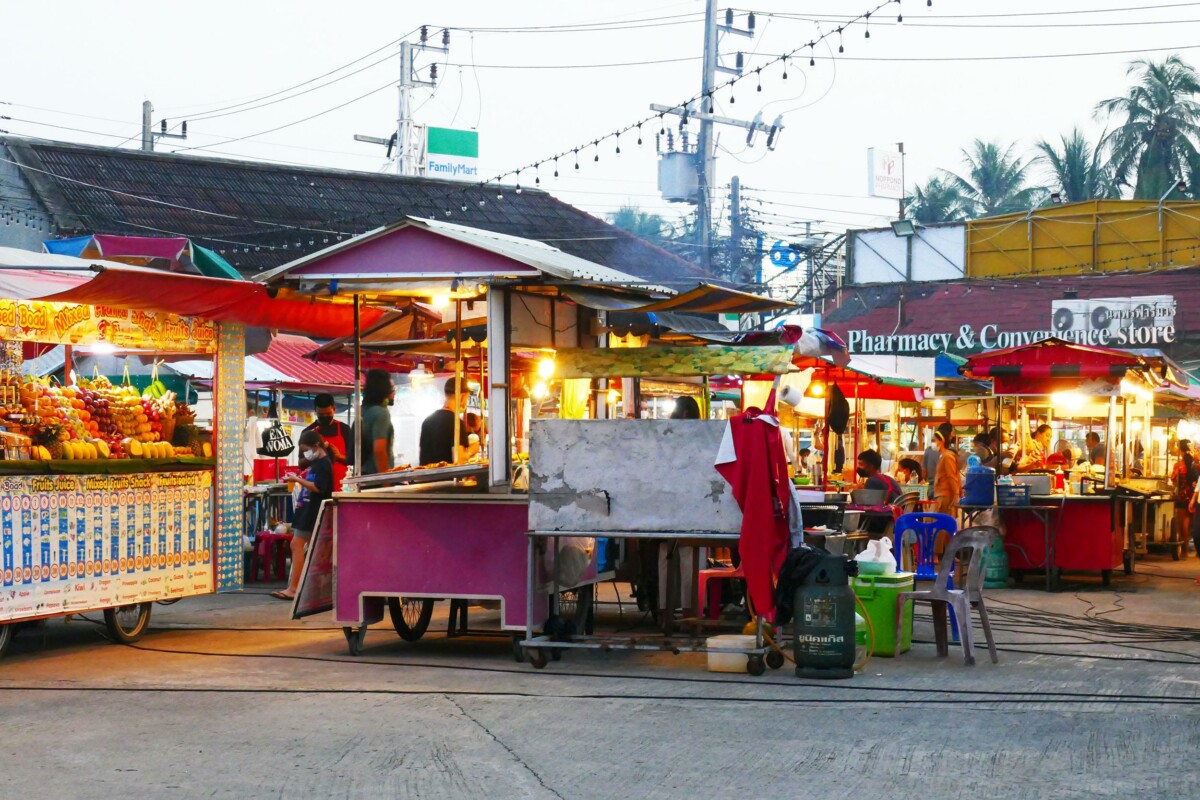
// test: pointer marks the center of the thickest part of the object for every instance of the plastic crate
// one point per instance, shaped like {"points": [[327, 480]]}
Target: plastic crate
{"points": [[1012, 494]]}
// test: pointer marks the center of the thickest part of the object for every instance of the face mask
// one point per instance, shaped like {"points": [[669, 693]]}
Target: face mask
{"points": [[862, 473], [325, 419], [311, 455]]}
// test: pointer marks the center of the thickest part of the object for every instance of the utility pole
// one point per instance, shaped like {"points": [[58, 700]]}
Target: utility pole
{"points": [[735, 228], [705, 156], [902, 186], [705, 147], [149, 135], [403, 148]]}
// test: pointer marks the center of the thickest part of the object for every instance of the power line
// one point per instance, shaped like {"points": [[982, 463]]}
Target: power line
{"points": [[376, 90], [303, 83], [1008, 15]]}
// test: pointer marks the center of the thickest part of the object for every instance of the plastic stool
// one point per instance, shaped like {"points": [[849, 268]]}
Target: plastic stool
{"points": [[272, 549], [713, 596]]}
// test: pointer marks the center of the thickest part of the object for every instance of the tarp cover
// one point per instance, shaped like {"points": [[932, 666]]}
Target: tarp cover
{"points": [[25, 275], [661, 362]]}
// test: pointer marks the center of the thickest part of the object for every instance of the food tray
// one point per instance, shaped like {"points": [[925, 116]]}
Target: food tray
{"points": [[386, 479]]}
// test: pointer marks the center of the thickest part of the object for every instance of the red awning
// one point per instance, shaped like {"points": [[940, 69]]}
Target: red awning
{"points": [[63, 279], [1051, 365]]}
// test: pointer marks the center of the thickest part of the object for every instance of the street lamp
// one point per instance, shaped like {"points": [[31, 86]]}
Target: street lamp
{"points": [[904, 227], [1056, 198], [1180, 186]]}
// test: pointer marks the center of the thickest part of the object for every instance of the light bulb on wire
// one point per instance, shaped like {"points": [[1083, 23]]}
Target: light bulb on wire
{"points": [[841, 48], [867, 33]]}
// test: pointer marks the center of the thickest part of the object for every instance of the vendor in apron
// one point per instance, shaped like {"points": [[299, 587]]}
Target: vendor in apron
{"points": [[337, 436]]}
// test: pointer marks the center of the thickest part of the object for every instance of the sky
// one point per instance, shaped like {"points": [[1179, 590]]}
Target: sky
{"points": [[537, 78]]}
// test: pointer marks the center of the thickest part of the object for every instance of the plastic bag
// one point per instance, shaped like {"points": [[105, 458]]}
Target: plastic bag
{"points": [[879, 551]]}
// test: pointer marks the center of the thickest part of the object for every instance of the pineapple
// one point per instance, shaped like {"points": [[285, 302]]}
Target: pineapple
{"points": [[50, 436]]}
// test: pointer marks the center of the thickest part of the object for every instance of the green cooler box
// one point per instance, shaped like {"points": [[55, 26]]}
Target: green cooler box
{"points": [[878, 594]]}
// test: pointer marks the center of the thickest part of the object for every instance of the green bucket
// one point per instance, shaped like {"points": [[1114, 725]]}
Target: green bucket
{"points": [[879, 595]]}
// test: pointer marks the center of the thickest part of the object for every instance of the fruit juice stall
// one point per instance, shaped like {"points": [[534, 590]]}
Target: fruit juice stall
{"points": [[112, 498], [402, 540], [1075, 516]]}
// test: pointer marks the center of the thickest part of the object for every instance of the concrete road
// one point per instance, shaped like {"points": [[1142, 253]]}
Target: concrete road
{"points": [[228, 698]]}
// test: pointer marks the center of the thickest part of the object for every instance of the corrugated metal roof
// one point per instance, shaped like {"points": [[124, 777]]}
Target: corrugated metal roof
{"points": [[286, 355]]}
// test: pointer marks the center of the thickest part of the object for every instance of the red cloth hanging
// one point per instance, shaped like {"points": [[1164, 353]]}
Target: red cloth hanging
{"points": [[757, 472]]}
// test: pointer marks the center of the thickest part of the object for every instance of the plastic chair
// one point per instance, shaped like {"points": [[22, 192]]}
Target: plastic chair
{"points": [[708, 587], [959, 601], [921, 531]]}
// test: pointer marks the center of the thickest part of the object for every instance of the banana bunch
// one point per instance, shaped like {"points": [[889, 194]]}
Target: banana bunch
{"points": [[156, 390]]}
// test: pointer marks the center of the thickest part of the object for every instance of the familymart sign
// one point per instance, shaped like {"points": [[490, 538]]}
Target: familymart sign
{"points": [[969, 338], [451, 153]]}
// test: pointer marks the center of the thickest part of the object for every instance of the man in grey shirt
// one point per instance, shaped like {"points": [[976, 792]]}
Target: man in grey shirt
{"points": [[1095, 448], [376, 424]]}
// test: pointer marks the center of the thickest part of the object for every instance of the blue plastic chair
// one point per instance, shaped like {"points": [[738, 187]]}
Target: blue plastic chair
{"points": [[921, 530]]}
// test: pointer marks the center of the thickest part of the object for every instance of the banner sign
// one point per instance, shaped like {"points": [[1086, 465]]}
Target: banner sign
{"points": [[74, 543], [885, 173], [75, 324], [451, 153], [1121, 322]]}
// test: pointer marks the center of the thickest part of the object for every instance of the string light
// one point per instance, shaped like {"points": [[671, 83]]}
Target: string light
{"points": [[899, 12], [618, 142], [682, 108], [596, 144], [537, 179]]}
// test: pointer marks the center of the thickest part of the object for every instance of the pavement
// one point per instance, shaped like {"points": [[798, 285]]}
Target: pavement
{"points": [[1097, 694]]}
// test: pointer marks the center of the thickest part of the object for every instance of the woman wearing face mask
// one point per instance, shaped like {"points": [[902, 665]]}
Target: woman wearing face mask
{"points": [[318, 486]]}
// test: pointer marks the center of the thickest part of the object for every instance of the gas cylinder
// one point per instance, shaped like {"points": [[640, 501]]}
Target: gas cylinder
{"points": [[825, 620], [979, 486]]}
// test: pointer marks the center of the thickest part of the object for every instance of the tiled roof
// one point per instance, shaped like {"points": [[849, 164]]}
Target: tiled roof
{"points": [[231, 206]]}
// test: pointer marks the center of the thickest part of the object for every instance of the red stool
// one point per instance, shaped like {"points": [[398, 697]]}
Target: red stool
{"points": [[271, 549], [712, 591]]}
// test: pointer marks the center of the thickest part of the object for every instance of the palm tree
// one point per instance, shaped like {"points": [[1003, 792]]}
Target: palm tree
{"points": [[936, 201], [642, 224], [1156, 144], [1078, 170], [995, 181]]}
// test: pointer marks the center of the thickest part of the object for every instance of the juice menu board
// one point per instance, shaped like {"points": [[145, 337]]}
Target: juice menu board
{"points": [[71, 543]]}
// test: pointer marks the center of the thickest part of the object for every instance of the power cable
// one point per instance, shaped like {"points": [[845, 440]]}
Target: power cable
{"points": [[291, 124], [1034, 13]]}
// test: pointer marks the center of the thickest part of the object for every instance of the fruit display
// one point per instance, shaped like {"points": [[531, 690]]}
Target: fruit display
{"points": [[96, 420]]}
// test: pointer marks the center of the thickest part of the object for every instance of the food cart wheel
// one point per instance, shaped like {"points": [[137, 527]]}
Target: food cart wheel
{"points": [[7, 634], [775, 659], [1018, 575], [755, 665], [126, 624], [410, 616], [518, 651], [1105, 577], [1177, 552], [536, 656], [355, 638], [1127, 561]]}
